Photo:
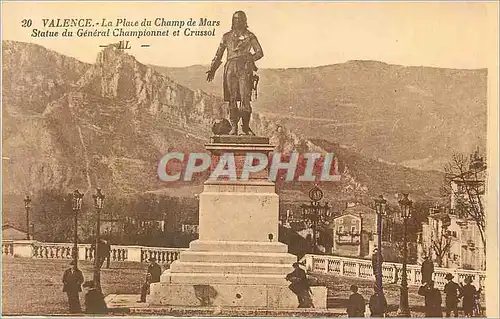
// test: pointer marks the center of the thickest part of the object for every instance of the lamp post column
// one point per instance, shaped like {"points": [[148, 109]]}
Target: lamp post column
{"points": [[98, 204], [380, 204], [27, 205], [404, 309], [77, 206]]}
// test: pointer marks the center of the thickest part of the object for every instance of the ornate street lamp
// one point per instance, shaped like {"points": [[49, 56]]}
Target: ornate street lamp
{"points": [[406, 206], [98, 204], [77, 199], [380, 204], [315, 212], [27, 206]]}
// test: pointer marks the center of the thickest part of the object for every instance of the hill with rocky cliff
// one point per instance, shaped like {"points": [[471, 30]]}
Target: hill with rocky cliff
{"points": [[69, 124]]}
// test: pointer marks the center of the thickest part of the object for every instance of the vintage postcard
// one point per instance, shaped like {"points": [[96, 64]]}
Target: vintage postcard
{"points": [[242, 159]]}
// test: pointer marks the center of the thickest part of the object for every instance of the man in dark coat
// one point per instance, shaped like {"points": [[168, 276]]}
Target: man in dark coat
{"points": [[468, 295], [153, 275], [427, 269], [238, 70], [72, 286], [452, 291], [355, 304], [378, 303], [104, 252], [94, 299], [432, 300], [300, 286]]}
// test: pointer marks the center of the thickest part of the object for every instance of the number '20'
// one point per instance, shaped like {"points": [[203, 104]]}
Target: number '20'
{"points": [[26, 23]]}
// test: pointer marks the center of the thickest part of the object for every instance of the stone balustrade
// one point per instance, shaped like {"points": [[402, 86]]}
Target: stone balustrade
{"points": [[7, 248], [391, 272], [42, 250], [335, 265]]}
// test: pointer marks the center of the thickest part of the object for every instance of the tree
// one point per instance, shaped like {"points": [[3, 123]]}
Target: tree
{"points": [[441, 243], [52, 216], [397, 234], [465, 184]]}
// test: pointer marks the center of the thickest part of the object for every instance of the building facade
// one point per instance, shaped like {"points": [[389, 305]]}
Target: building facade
{"points": [[353, 230], [452, 236], [452, 242]]}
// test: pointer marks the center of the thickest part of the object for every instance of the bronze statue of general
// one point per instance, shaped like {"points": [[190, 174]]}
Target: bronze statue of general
{"points": [[239, 78]]}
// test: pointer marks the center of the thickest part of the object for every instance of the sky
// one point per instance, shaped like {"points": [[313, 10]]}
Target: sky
{"points": [[439, 34]]}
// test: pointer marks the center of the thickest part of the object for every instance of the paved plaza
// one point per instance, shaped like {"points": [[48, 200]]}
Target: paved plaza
{"points": [[33, 286]]}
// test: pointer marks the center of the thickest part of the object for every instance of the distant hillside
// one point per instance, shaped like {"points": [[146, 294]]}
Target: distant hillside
{"points": [[415, 116], [69, 125]]}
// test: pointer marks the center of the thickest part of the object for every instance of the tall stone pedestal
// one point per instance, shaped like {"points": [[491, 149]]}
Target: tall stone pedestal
{"points": [[237, 260]]}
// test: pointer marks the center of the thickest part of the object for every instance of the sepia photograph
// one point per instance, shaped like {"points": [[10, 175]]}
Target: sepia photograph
{"points": [[250, 159]]}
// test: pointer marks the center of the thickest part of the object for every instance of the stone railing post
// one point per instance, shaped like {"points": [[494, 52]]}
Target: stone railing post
{"points": [[358, 269], [327, 265], [134, 253], [413, 276], [23, 248], [81, 252], [341, 265], [394, 274]]}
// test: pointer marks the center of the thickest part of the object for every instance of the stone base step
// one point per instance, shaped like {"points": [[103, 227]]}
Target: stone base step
{"points": [[237, 257], [221, 278], [230, 268], [236, 246], [230, 295], [236, 312], [127, 304]]}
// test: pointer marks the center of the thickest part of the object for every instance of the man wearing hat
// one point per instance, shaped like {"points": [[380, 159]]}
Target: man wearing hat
{"points": [[300, 286], [72, 286], [468, 294], [153, 275], [452, 291]]}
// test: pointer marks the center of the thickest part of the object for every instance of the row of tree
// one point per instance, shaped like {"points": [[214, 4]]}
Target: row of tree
{"points": [[53, 218]]}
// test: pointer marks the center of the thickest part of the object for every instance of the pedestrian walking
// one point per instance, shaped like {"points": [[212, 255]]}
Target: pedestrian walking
{"points": [[94, 299], [355, 304], [378, 303], [452, 292], [432, 300], [105, 253], [72, 286], [427, 269], [153, 275], [300, 286], [468, 295]]}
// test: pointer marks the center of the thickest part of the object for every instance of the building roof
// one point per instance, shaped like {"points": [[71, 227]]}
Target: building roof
{"points": [[359, 208], [441, 216], [368, 220], [367, 213]]}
